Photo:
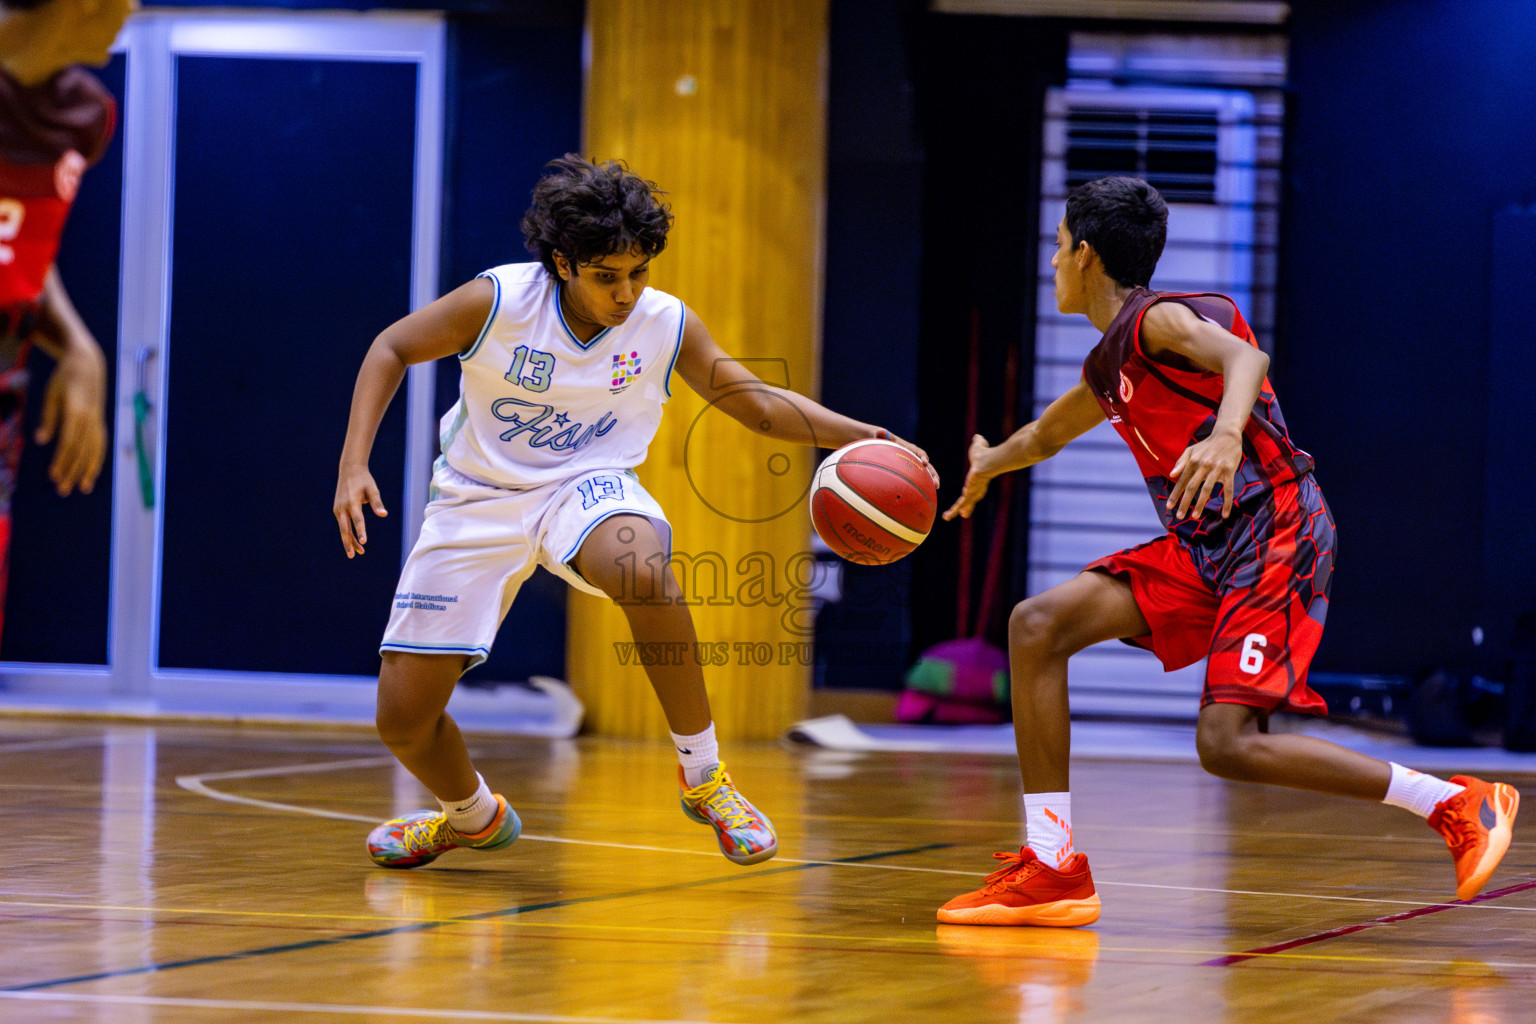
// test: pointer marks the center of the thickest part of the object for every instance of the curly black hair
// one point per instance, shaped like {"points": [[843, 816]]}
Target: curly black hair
{"points": [[586, 211], [1126, 222]]}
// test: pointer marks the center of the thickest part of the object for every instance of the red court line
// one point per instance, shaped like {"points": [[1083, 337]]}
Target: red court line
{"points": [[1333, 933]]}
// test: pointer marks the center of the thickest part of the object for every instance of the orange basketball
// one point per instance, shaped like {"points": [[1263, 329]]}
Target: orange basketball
{"points": [[872, 502]]}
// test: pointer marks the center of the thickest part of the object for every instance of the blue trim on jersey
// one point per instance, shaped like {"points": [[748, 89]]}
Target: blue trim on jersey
{"points": [[495, 308], [666, 382], [410, 648], [566, 559], [433, 491], [445, 440], [572, 334]]}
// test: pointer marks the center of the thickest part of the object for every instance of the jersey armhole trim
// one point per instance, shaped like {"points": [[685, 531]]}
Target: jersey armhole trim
{"points": [[465, 357], [1175, 296], [677, 348]]}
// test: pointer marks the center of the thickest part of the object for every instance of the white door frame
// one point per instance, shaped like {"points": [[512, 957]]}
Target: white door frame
{"points": [[132, 682]]}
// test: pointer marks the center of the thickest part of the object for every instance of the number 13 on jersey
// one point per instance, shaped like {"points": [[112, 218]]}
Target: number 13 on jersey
{"points": [[540, 365], [600, 488]]}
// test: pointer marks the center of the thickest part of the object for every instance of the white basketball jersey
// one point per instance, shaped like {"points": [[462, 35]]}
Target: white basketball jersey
{"points": [[536, 405]]}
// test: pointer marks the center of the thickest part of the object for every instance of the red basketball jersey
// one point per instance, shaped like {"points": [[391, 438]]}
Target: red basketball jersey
{"points": [[1160, 410], [49, 135]]}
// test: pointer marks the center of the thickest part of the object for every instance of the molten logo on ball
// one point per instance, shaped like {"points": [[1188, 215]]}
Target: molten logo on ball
{"points": [[872, 502]]}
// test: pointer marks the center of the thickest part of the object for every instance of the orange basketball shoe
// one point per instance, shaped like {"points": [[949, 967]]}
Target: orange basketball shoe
{"points": [[1477, 824], [1026, 891]]}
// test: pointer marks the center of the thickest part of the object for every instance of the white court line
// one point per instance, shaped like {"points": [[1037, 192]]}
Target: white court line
{"points": [[194, 783], [197, 784], [339, 1008], [60, 744]]}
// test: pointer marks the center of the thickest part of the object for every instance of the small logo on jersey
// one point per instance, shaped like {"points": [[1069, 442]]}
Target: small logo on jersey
{"points": [[1126, 391], [66, 175], [625, 370]]}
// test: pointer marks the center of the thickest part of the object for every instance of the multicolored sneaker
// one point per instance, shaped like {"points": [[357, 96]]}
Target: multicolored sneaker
{"points": [[745, 834], [1477, 824], [1024, 891], [423, 836]]}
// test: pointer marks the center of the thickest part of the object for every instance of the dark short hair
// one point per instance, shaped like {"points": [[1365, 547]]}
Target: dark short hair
{"points": [[586, 211], [22, 5], [1126, 222]]}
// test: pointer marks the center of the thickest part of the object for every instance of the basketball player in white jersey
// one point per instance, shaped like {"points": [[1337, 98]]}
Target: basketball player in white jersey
{"points": [[566, 364]]}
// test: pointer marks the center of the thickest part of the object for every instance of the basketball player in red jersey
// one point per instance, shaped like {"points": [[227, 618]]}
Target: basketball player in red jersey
{"points": [[1241, 577], [55, 121]]}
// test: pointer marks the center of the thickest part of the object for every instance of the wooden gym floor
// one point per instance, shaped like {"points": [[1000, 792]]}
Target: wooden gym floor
{"points": [[183, 873]]}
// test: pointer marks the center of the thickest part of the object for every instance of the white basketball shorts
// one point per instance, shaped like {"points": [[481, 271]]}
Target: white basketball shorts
{"points": [[479, 543]]}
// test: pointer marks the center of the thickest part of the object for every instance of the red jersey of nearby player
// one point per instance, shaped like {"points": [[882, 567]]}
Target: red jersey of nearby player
{"points": [[49, 135], [1161, 410]]}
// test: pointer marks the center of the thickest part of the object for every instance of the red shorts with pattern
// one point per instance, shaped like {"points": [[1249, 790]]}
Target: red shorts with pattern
{"points": [[1250, 594]]}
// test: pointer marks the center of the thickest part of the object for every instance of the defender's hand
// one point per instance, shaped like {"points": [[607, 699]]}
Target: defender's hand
{"points": [[354, 489], [977, 479], [1203, 467]]}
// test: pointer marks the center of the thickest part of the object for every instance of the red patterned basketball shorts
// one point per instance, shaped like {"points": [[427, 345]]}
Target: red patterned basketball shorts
{"points": [[1251, 598]]}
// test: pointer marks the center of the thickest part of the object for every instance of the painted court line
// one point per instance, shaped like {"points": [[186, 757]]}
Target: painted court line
{"points": [[1334, 933], [332, 1008], [70, 743], [1441, 904], [427, 926], [197, 784]]}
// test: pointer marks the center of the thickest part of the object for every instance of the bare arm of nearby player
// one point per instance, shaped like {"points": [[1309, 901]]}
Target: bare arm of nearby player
{"points": [[75, 402], [446, 327], [1173, 329], [1075, 413], [760, 407]]}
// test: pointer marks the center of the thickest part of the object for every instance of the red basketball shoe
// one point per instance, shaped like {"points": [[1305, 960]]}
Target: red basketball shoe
{"points": [[1477, 824], [1025, 891]]}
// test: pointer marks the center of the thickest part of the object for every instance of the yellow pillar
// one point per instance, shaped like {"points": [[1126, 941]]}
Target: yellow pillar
{"points": [[722, 104]]}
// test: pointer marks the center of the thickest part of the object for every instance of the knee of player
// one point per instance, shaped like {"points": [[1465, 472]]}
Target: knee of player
{"points": [[401, 724], [1034, 626], [395, 729], [1223, 753], [653, 585]]}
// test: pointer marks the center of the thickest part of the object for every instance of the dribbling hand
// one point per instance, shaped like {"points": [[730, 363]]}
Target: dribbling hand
{"points": [[885, 435]]}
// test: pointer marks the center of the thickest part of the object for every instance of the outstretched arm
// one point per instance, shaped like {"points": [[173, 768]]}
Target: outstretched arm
{"points": [[763, 408], [75, 402], [1073, 414], [443, 328], [1173, 329]]}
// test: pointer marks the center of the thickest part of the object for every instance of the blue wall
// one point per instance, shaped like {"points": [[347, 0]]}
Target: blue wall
{"points": [[1411, 125]]}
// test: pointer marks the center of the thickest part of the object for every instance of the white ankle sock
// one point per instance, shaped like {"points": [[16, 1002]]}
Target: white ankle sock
{"points": [[1048, 826], [1416, 791], [474, 813], [697, 754]]}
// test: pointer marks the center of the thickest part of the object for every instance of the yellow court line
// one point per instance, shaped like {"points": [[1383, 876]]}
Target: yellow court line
{"points": [[268, 1007], [998, 950]]}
